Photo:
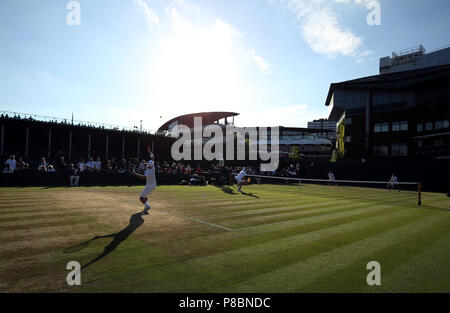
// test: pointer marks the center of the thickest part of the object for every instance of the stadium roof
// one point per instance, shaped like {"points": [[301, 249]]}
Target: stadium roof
{"points": [[391, 81], [188, 119]]}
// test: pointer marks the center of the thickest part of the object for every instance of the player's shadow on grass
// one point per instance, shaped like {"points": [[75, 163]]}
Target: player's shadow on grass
{"points": [[136, 221], [229, 190], [249, 194]]}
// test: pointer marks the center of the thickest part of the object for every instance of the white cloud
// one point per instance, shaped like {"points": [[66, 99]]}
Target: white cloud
{"points": [[321, 28], [150, 15], [265, 67]]}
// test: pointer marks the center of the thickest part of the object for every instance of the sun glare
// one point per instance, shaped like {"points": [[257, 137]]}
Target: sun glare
{"points": [[197, 69]]}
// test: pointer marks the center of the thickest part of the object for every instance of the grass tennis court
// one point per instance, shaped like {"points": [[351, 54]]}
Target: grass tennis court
{"points": [[275, 238]]}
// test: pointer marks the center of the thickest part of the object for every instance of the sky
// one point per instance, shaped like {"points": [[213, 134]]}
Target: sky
{"points": [[272, 61]]}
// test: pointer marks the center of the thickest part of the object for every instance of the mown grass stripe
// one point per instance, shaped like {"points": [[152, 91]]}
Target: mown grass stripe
{"points": [[301, 275]]}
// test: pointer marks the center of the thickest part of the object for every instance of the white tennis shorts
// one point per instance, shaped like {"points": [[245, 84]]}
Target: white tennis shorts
{"points": [[147, 190], [239, 180]]}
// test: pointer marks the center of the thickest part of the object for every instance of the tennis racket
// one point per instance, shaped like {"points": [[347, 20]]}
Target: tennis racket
{"points": [[132, 164]]}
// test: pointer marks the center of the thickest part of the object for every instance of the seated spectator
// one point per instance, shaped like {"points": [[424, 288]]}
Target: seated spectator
{"points": [[90, 166], [8, 169], [20, 165], [61, 164], [198, 170], [122, 166], [81, 165], [109, 166], [98, 165], [114, 166], [165, 167], [12, 163], [51, 169], [42, 165], [26, 166], [178, 169], [73, 176]]}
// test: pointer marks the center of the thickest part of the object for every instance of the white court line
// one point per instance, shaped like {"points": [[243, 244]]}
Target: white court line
{"points": [[200, 221], [179, 216]]}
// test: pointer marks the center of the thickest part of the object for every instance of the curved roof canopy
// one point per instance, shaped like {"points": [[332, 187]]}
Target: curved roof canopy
{"points": [[188, 119]]}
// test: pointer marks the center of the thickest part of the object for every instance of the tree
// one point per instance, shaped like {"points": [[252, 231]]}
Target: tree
{"points": [[294, 154]]}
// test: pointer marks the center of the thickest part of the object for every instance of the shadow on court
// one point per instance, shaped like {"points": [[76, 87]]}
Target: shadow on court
{"points": [[136, 221], [249, 194], [229, 190]]}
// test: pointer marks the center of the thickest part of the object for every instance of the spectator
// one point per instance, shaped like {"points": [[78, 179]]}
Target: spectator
{"points": [[331, 178], [90, 166], [8, 169], [73, 175], [81, 165], [122, 166], [43, 165], [20, 165], [12, 163], [113, 165], [109, 166], [61, 164], [51, 169], [98, 165]]}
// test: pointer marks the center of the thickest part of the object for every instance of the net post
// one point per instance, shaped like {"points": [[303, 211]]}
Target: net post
{"points": [[419, 194]]}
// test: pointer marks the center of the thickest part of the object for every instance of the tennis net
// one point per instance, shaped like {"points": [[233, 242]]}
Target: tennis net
{"points": [[401, 192]]}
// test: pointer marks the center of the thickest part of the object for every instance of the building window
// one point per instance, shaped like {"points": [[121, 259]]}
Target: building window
{"points": [[399, 149], [441, 124], [380, 150], [419, 128], [445, 124], [399, 126], [429, 126], [381, 127], [348, 121]]}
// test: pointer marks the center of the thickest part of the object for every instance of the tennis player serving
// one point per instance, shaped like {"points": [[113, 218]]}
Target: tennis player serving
{"points": [[150, 178]]}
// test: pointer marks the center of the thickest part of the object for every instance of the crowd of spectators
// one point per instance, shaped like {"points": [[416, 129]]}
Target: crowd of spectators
{"points": [[96, 165], [12, 165]]}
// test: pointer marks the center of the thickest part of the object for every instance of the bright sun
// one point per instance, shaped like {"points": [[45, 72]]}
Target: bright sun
{"points": [[197, 70]]}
